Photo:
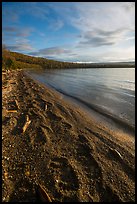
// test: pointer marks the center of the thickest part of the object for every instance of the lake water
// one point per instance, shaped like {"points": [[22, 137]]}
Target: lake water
{"points": [[108, 91]]}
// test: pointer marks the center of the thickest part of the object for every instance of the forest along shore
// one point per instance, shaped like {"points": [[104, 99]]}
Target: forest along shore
{"points": [[49, 143]]}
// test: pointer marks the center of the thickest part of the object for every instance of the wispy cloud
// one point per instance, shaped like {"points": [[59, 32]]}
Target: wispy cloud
{"points": [[38, 10], [117, 55], [9, 14], [56, 25], [17, 38], [20, 47], [100, 37], [17, 31], [96, 42], [107, 15], [9, 29], [100, 24], [50, 51], [71, 30]]}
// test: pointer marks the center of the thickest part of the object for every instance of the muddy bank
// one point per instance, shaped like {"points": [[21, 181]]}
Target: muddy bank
{"points": [[48, 141]]}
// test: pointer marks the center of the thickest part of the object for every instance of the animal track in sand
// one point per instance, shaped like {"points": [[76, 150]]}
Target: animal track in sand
{"points": [[64, 176], [83, 139], [66, 126], [108, 194], [43, 104], [90, 165], [53, 116], [5, 120], [20, 123], [84, 148], [98, 191], [113, 154], [39, 137], [21, 85], [63, 110], [24, 192]]}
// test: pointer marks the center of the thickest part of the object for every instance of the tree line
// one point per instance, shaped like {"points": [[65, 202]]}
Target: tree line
{"points": [[14, 60]]}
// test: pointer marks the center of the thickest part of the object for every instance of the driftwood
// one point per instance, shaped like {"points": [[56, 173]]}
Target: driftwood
{"points": [[11, 81], [17, 104], [26, 123], [43, 194], [6, 175], [115, 153], [46, 106], [11, 111]]}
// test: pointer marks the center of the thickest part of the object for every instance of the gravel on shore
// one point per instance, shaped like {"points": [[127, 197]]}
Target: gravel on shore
{"points": [[48, 142]]}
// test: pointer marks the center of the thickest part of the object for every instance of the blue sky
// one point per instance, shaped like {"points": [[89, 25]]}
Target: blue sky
{"points": [[71, 31]]}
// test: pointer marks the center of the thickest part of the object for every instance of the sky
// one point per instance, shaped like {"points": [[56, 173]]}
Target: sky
{"points": [[71, 31]]}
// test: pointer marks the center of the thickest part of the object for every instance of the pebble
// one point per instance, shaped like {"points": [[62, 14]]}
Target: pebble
{"points": [[7, 158], [4, 198]]}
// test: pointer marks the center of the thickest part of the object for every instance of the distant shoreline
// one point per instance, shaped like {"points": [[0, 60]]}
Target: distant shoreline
{"points": [[14, 60]]}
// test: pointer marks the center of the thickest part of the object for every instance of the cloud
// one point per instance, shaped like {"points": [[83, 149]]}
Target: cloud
{"points": [[95, 42], [41, 34], [50, 51], [110, 55], [9, 29], [129, 6], [89, 15], [38, 10], [99, 23], [15, 38], [117, 55], [100, 37], [19, 47], [43, 12], [106, 15], [56, 25], [92, 30], [9, 14], [17, 31], [104, 24]]}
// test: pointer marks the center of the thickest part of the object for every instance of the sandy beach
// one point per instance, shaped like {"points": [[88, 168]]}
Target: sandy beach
{"points": [[49, 143]]}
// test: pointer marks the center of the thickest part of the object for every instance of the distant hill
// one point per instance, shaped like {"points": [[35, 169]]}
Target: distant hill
{"points": [[14, 60]]}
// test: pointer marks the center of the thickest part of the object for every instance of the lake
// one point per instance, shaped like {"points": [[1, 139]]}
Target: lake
{"points": [[108, 91]]}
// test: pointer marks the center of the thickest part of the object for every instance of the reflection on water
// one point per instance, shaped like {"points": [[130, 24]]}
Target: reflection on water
{"points": [[111, 90]]}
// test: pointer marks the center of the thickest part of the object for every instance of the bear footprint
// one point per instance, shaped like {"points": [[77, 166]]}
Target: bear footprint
{"points": [[65, 177]]}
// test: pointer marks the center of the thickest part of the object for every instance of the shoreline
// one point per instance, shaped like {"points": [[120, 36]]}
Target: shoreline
{"points": [[112, 122], [48, 141], [99, 115]]}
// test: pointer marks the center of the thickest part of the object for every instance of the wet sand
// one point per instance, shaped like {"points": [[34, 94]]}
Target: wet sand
{"points": [[49, 142]]}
